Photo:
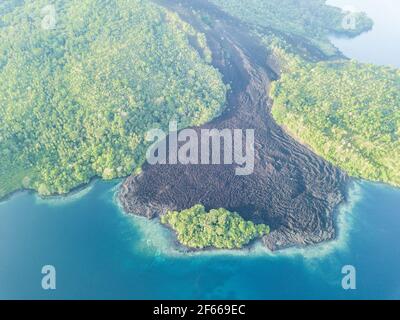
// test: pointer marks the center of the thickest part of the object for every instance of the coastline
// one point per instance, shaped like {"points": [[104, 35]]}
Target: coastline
{"points": [[74, 191], [80, 191], [138, 252], [290, 186], [100, 251], [162, 240]]}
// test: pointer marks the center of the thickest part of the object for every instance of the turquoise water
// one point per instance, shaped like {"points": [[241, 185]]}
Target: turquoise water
{"points": [[99, 252]]}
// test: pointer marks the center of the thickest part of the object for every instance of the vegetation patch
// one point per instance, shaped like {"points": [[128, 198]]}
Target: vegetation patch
{"points": [[347, 112], [310, 19], [79, 89], [220, 228]]}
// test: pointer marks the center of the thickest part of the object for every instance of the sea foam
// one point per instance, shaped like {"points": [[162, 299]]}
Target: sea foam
{"points": [[60, 200], [158, 240]]}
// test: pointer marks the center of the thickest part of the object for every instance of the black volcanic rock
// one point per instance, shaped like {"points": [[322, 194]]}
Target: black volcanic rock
{"points": [[292, 190]]}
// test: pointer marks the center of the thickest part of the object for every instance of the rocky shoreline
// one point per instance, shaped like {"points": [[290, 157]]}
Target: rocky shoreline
{"points": [[292, 190]]}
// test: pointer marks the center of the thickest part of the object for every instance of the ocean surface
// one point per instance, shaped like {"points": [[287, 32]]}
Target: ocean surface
{"points": [[99, 252], [380, 45]]}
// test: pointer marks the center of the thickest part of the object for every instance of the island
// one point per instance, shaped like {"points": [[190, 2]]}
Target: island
{"points": [[82, 82], [218, 229], [295, 190], [78, 95]]}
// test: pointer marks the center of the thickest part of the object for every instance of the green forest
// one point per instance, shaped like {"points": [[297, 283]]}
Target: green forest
{"points": [[347, 112], [312, 20], [219, 228], [82, 81]]}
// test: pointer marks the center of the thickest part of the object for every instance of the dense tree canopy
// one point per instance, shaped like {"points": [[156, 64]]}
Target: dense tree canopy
{"points": [[218, 228], [79, 91], [348, 112], [310, 19], [345, 111]]}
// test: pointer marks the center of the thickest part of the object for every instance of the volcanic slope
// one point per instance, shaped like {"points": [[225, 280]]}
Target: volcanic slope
{"points": [[292, 190]]}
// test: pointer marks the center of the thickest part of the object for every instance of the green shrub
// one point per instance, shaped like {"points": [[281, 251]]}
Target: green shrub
{"points": [[218, 228]]}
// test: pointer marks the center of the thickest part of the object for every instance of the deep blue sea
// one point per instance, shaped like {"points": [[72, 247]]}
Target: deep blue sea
{"points": [[99, 252]]}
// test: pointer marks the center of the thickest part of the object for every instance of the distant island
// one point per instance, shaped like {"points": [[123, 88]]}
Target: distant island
{"points": [[77, 97]]}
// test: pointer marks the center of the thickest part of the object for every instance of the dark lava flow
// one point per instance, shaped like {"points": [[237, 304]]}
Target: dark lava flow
{"points": [[292, 190]]}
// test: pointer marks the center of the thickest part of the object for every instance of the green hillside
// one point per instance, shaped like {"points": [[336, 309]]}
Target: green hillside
{"points": [[81, 81], [347, 112]]}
